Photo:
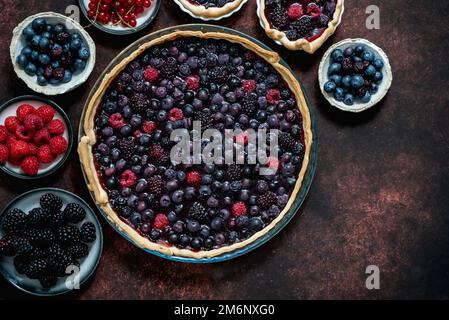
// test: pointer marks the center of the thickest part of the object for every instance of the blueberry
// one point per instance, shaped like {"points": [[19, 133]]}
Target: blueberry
{"points": [[28, 32], [374, 88], [44, 59], [83, 53], [59, 28], [35, 40], [370, 71], [125, 130], [76, 36], [22, 60], [256, 224], [346, 81], [216, 224], [30, 69], [42, 81], [356, 59], [67, 76], [336, 79], [366, 98], [378, 76], [26, 51], [349, 99], [79, 65], [75, 44], [34, 55], [378, 64], [357, 81], [349, 51], [330, 87], [359, 50], [46, 34], [39, 24], [337, 55], [334, 68], [339, 94], [193, 226], [368, 56]]}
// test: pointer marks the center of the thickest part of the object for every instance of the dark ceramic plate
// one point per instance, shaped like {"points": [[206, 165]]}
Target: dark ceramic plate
{"points": [[143, 20], [9, 109], [307, 178], [30, 200]]}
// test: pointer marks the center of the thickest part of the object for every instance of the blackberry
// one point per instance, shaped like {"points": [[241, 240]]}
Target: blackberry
{"points": [[204, 116], [36, 268], [218, 75], [303, 26], [299, 149], [21, 245], [21, 263], [58, 260], [48, 281], [6, 248], [249, 104], [279, 17], [74, 213], [197, 212], [169, 68], [286, 141], [56, 218], [158, 155], [15, 221], [267, 199], [39, 237], [78, 251], [51, 202], [140, 103], [156, 185], [38, 217], [88, 232], [68, 235], [347, 65], [234, 172], [127, 147], [291, 35], [38, 253]]}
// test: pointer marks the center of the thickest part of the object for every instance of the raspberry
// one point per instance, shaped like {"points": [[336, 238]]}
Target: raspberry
{"points": [[175, 114], [239, 209], [19, 149], [160, 221], [23, 134], [11, 124], [42, 137], [4, 153], [151, 74], [15, 162], [313, 10], [30, 165], [127, 179], [58, 145], [273, 96], [33, 122], [24, 110], [193, 82], [116, 121], [3, 133], [158, 155], [249, 85], [46, 113], [193, 178], [44, 154], [32, 149], [295, 11], [149, 127], [56, 127]]}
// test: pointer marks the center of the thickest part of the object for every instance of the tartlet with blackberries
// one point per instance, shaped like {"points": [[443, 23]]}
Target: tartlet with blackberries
{"points": [[211, 9], [300, 24], [197, 211]]}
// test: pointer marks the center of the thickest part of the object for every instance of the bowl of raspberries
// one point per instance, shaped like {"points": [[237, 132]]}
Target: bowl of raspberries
{"points": [[35, 137], [52, 53], [50, 242]]}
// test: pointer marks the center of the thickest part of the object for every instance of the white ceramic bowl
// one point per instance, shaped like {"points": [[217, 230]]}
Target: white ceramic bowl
{"points": [[358, 105], [18, 43], [209, 19]]}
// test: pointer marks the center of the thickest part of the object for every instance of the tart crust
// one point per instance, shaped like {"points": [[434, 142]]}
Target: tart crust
{"points": [[211, 13], [89, 139], [301, 44]]}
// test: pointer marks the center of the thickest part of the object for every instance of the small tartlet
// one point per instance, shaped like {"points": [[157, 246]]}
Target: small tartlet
{"points": [[280, 37], [215, 13]]}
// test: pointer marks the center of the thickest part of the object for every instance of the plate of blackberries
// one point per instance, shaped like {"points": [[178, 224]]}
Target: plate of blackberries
{"points": [[50, 242]]}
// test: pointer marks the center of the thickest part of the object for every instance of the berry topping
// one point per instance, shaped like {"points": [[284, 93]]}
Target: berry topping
{"points": [[175, 114], [295, 11], [238, 209], [249, 85], [151, 74], [127, 179], [160, 221], [149, 126], [273, 96], [116, 121], [193, 178], [193, 82]]}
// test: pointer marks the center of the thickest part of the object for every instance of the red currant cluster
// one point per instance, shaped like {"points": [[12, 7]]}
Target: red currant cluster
{"points": [[124, 12]]}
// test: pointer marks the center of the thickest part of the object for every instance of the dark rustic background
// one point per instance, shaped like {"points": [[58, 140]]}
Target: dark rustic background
{"points": [[380, 195]]}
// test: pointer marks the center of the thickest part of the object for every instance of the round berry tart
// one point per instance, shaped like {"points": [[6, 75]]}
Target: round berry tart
{"points": [[197, 83], [210, 9], [300, 24]]}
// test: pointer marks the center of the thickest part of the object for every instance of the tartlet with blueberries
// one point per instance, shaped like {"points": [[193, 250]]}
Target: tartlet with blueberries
{"points": [[300, 24], [191, 210], [211, 9]]}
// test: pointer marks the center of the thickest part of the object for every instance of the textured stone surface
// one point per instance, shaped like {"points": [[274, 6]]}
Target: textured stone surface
{"points": [[380, 195]]}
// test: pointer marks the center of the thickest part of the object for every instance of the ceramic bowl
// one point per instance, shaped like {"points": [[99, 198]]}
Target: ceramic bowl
{"points": [[9, 109], [143, 20], [358, 105], [30, 200], [18, 42], [227, 15]]}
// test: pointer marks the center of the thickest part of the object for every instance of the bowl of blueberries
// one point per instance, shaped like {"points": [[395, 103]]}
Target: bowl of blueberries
{"points": [[354, 75], [52, 53]]}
